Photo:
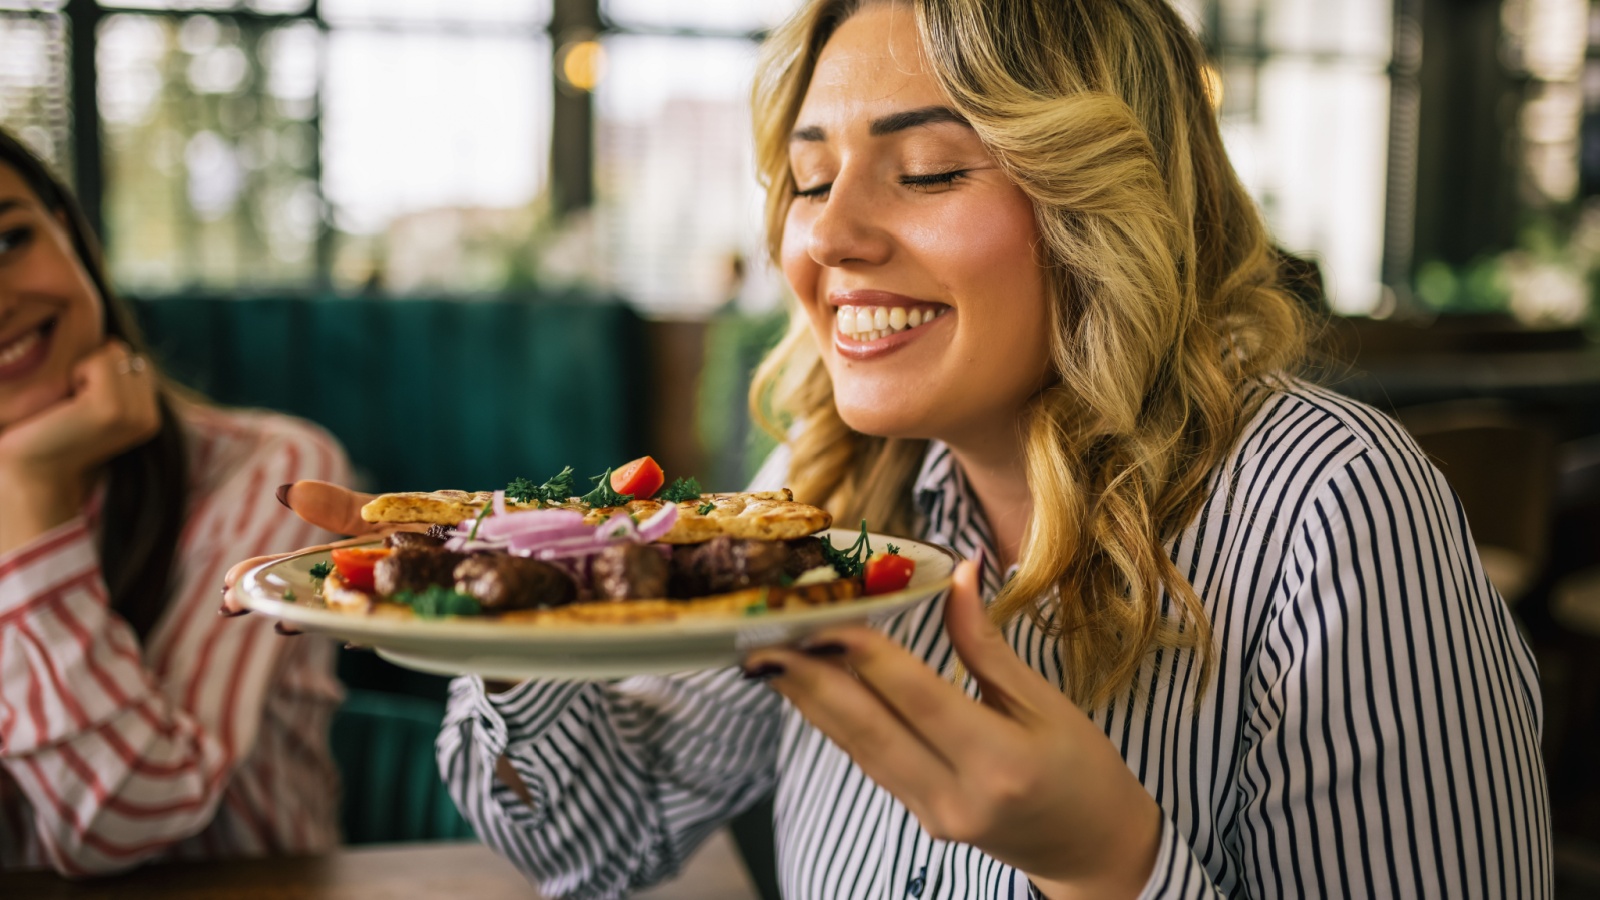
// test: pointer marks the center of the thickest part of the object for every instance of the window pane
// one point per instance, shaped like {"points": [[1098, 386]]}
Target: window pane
{"points": [[1315, 156], [33, 84], [675, 169], [731, 15], [526, 12], [209, 152], [435, 149]]}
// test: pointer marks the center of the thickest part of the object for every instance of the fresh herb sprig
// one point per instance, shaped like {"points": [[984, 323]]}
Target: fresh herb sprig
{"points": [[603, 494], [321, 570], [437, 601], [681, 490], [478, 522], [555, 490], [706, 508], [851, 561]]}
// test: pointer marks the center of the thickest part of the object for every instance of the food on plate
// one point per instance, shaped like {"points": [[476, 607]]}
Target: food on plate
{"points": [[629, 550]]}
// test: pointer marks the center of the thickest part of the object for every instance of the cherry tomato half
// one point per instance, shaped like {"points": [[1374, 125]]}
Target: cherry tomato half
{"points": [[355, 564], [888, 572], [641, 478]]}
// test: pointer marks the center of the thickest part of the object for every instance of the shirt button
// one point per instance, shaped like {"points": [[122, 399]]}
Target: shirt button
{"points": [[915, 885]]}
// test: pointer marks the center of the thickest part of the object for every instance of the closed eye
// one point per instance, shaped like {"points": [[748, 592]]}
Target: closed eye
{"points": [[815, 193], [13, 238], [935, 180]]}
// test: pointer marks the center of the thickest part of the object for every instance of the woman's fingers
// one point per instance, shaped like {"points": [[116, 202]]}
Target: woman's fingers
{"points": [[1005, 682], [856, 719], [328, 506]]}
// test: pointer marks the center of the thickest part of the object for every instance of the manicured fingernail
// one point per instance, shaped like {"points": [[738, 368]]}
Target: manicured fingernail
{"points": [[763, 672], [232, 613], [826, 648], [286, 632], [283, 494]]}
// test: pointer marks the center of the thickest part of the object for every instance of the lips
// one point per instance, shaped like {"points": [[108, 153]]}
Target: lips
{"points": [[21, 354], [868, 324]]}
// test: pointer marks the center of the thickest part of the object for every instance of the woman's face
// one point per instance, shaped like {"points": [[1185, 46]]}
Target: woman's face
{"points": [[51, 315], [910, 249]]}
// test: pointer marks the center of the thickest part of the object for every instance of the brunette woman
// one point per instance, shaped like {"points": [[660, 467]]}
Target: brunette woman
{"points": [[135, 722]]}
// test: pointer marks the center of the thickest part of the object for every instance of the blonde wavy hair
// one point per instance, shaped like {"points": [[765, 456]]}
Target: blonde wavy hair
{"points": [[1165, 308]]}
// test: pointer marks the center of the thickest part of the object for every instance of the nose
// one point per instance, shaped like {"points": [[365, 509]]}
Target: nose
{"points": [[849, 228]]}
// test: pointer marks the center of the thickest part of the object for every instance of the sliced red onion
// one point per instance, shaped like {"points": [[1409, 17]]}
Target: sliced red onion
{"points": [[499, 503], [656, 527], [552, 522]]}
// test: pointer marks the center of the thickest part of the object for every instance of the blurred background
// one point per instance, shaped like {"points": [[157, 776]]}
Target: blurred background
{"points": [[532, 228]]}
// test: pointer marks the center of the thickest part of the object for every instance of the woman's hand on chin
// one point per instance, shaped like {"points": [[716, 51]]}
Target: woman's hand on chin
{"points": [[1021, 774], [48, 460]]}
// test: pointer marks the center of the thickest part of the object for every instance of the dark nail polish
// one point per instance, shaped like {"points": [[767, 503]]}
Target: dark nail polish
{"points": [[278, 627], [827, 648], [763, 672], [226, 613], [283, 494]]}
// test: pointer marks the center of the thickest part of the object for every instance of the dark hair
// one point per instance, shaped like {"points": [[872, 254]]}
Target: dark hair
{"points": [[147, 489]]}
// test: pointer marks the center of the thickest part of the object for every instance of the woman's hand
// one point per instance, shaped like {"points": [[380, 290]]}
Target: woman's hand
{"points": [[327, 506], [48, 460], [1021, 774]]}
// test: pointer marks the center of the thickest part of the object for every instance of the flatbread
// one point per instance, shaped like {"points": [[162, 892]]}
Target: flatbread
{"points": [[763, 515]]}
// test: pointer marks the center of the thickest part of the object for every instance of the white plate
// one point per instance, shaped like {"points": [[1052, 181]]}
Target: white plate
{"points": [[508, 651]]}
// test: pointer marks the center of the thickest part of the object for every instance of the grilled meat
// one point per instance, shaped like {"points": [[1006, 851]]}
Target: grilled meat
{"points": [[501, 582], [726, 564], [629, 572], [805, 554], [414, 569], [413, 540]]}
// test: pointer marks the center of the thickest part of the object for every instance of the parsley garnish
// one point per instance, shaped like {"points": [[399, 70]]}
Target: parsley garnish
{"points": [[850, 561], [603, 495], [288, 596], [438, 601], [556, 490], [321, 570], [893, 550], [706, 508], [682, 490]]}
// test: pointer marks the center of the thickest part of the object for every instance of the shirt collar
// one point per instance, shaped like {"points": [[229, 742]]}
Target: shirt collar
{"points": [[951, 516]]}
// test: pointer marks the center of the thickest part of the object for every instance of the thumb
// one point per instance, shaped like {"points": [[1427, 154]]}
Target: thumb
{"points": [[983, 649], [328, 506]]}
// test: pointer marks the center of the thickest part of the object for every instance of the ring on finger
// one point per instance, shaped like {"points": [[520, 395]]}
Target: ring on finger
{"points": [[131, 365]]}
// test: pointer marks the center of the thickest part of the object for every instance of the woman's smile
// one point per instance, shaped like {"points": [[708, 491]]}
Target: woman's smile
{"points": [[869, 324], [23, 353]]}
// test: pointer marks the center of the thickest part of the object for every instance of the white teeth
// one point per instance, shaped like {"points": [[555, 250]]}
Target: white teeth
{"points": [[18, 348], [869, 323]]}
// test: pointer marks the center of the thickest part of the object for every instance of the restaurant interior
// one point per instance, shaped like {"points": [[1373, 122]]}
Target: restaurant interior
{"points": [[531, 231]]}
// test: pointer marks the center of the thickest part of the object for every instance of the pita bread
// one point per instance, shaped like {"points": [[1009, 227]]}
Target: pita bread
{"points": [[764, 515]]}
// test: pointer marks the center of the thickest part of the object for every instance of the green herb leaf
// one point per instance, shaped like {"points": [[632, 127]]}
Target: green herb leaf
{"points": [[681, 491], [437, 602], [288, 596], [321, 570], [555, 490], [850, 561], [706, 508], [893, 550], [478, 522], [603, 495]]}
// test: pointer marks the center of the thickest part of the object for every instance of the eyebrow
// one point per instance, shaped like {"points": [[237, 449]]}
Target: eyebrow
{"points": [[7, 204], [900, 121]]}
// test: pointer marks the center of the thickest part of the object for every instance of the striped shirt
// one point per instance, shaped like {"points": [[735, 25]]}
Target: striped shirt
{"points": [[209, 739], [1372, 728]]}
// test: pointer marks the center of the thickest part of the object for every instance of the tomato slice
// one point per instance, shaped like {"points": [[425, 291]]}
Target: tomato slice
{"points": [[888, 573], [641, 478], [355, 564]]}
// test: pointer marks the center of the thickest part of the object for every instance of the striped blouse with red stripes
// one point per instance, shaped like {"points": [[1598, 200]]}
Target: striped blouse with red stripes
{"points": [[210, 739]]}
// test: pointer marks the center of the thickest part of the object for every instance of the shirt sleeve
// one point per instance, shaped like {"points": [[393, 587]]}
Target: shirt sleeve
{"points": [[122, 750], [1392, 739], [626, 778]]}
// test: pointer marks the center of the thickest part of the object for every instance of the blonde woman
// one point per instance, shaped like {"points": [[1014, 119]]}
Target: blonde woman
{"points": [[1224, 633]]}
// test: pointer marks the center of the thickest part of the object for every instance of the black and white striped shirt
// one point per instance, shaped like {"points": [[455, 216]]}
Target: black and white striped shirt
{"points": [[1372, 728]]}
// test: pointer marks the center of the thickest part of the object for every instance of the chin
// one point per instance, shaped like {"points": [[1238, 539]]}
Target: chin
{"points": [[878, 420], [32, 400]]}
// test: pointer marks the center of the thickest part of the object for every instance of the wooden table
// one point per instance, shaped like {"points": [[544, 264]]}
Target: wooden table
{"points": [[386, 872]]}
